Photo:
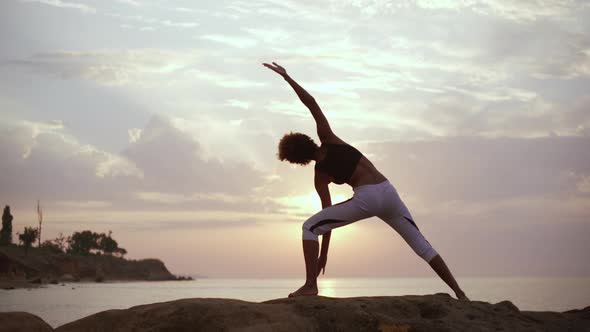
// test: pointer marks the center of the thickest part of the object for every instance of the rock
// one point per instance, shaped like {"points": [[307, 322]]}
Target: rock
{"points": [[410, 313], [14, 265], [68, 278], [36, 280], [22, 321], [16, 284]]}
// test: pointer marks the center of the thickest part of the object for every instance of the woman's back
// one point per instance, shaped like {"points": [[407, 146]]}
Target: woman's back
{"points": [[345, 164]]}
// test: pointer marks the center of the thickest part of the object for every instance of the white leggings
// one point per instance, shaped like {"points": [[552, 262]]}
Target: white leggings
{"points": [[381, 200]]}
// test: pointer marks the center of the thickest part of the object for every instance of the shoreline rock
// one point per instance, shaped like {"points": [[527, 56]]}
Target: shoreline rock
{"points": [[22, 321], [16, 284], [411, 313], [43, 267]]}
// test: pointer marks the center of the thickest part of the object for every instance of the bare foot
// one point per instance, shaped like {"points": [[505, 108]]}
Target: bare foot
{"points": [[305, 290]]}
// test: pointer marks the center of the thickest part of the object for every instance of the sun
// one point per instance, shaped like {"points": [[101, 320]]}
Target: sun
{"points": [[304, 206], [307, 204]]}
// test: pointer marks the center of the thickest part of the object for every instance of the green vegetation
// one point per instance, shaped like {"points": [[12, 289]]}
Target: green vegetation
{"points": [[6, 232], [87, 242], [28, 237], [82, 243], [85, 255]]}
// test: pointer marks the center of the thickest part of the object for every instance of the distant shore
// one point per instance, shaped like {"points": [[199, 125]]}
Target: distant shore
{"points": [[24, 284], [17, 284], [20, 269]]}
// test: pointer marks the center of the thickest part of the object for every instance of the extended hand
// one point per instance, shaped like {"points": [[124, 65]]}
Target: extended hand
{"points": [[278, 69], [322, 264]]}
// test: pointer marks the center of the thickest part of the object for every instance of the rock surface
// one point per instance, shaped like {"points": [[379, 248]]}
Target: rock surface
{"points": [[40, 266], [410, 313], [22, 321]]}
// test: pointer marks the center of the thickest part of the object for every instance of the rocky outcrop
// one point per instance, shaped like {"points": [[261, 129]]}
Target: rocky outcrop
{"points": [[410, 313], [22, 322], [15, 266]]}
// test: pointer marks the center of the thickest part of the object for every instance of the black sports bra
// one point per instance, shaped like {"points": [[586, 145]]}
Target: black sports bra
{"points": [[340, 162]]}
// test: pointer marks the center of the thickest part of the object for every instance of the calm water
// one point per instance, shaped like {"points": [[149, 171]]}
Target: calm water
{"points": [[58, 304]]}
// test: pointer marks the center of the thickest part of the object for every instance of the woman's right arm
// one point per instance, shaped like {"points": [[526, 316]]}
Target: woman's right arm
{"points": [[321, 182], [323, 127]]}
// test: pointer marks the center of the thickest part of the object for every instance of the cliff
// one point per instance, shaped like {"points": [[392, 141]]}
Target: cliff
{"points": [[412, 313], [50, 267]]}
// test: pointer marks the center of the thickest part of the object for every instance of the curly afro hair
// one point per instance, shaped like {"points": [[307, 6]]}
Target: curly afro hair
{"points": [[297, 148]]}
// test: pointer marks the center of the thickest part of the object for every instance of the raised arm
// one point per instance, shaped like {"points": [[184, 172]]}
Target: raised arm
{"points": [[323, 127]]}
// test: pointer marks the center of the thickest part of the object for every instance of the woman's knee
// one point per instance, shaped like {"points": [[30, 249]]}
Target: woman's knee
{"points": [[307, 233], [428, 254]]}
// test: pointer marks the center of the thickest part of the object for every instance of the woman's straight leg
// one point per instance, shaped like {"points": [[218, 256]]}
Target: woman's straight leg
{"points": [[439, 266]]}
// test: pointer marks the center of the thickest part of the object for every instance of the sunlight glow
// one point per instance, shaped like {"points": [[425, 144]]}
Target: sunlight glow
{"points": [[307, 204]]}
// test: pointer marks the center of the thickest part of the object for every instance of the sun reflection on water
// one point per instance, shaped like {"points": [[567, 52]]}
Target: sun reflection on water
{"points": [[326, 287]]}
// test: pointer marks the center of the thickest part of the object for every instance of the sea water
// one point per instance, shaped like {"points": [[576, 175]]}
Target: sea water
{"points": [[60, 304]]}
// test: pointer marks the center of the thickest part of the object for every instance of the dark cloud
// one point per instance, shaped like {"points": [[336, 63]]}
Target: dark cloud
{"points": [[40, 161], [172, 161]]}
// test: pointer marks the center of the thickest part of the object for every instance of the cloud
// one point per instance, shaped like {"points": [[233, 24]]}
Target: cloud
{"points": [[171, 162], [583, 184], [84, 204], [525, 10], [238, 42], [41, 160], [129, 2], [238, 103], [64, 4], [148, 22], [163, 165], [223, 79], [108, 67], [134, 134], [485, 169], [173, 24]]}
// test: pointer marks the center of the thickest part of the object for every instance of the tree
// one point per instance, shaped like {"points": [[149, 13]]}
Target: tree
{"points": [[6, 232], [82, 242], [120, 252], [40, 217], [107, 244], [28, 237], [51, 246], [61, 242], [57, 245]]}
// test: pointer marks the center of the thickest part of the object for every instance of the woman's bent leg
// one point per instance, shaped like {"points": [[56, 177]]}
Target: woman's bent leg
{"points": [[322, 222]]}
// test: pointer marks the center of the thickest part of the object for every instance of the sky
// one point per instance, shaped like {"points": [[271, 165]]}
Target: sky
{"points": [[156, 120]]}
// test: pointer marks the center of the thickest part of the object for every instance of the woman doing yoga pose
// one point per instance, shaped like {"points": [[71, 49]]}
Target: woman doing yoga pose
{"points": [[338, 162]]}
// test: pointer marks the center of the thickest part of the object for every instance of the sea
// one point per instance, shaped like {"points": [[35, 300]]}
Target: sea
{"points": [[64, 303]]}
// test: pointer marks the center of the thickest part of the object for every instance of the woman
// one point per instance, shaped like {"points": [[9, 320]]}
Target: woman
{"points": [[338, 162]]}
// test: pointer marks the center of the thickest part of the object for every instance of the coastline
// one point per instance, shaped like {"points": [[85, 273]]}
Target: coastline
{"points": [[19, 269], [17, 284], [24, 284]]}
